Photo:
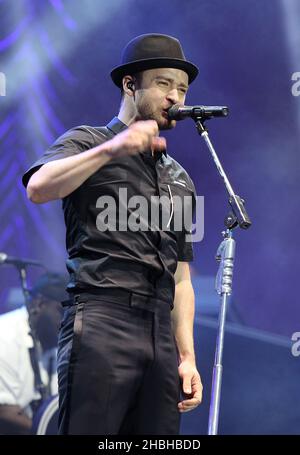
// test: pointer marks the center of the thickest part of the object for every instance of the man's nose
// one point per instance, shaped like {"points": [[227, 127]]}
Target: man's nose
{"points": [[173, 96]]}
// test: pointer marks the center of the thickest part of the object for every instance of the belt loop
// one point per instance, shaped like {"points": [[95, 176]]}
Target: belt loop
{"points": [[80, 298], [66, 303]]}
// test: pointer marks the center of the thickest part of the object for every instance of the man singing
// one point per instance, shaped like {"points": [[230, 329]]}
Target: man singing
{"points": [[126, 360]]}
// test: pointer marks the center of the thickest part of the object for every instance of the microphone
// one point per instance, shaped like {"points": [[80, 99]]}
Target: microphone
{"points": [[181, 112], [5, 259]]}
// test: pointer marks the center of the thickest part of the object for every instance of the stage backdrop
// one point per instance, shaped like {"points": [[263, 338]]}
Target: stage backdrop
{"points": [[55, 60]]}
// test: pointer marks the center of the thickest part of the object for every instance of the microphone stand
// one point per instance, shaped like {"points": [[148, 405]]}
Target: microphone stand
{"points": [[36, 350], [225, 256]]}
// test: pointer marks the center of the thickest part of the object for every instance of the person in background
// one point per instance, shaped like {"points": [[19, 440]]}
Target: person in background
{"points": [[17, 378]]}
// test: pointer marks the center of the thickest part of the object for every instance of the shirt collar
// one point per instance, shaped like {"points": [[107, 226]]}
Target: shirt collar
{"points": [[116, 126]]}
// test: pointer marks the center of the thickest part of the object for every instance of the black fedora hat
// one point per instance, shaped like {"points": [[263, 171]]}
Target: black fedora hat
{"points": [[150, 51]]}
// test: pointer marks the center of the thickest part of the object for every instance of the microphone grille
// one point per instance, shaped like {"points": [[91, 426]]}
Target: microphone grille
{"points": [[173, 111]]}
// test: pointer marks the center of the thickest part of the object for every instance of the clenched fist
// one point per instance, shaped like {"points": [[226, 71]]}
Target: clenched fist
{"points": [[137, 138]]}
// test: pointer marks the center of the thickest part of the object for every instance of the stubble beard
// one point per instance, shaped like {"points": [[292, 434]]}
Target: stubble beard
{"points": [[146, 113]]}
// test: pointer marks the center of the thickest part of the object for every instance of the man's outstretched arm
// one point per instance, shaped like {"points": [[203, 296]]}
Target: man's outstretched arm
{"points": [[59, 178]]}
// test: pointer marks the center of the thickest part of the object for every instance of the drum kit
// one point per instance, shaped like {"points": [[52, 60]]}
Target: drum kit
{"points": [[45, 419]]}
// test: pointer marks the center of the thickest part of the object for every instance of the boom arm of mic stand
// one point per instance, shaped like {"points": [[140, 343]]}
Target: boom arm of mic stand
{"points": [[235, 201], [225, 255]]}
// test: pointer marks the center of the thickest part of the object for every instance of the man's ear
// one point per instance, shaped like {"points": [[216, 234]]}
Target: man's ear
{"points": [[128, 85]]}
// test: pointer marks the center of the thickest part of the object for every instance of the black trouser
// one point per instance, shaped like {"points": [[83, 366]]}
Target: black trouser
{"points": [[118, 366]]}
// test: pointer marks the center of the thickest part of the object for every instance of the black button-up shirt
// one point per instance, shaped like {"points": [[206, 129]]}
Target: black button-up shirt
{"points": [[143, 261]]}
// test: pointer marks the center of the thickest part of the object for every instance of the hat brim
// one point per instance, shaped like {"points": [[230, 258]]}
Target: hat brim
{"points": [[119, 72]]}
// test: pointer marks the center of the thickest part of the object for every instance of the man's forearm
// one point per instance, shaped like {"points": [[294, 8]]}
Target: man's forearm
{"points": [[59, 178], [183, 319], [13, 420]]}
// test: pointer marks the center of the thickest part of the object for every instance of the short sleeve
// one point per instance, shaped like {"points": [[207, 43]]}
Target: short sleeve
{"points": [[9, 377], [74, 141], [184, 243]]}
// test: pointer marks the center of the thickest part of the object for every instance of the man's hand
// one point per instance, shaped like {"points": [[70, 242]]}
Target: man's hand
{"points": [[138, 137], [191, 385]]}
